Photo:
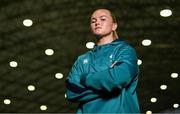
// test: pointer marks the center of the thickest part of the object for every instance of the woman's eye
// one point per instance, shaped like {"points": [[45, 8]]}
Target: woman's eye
{"points": [[92, 21]]}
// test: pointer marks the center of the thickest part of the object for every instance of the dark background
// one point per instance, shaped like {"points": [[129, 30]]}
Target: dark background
{"points": [[63, 25]]}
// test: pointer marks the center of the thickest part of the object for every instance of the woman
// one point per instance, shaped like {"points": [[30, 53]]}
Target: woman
{"points": [[104, 79]]}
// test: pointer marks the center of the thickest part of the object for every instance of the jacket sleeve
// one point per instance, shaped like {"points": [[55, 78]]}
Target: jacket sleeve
{"points": [[120, 74], [76, 92]]}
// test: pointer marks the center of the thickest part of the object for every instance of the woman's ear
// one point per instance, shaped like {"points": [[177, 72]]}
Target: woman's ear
{"points": [[114, 26]]}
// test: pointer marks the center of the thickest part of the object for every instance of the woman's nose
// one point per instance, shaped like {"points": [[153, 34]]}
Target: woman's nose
{"points": [[97, 23]]}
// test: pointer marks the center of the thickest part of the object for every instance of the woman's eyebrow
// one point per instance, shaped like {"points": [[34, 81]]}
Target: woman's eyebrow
{"points": [[93, 18], [100, 17]]}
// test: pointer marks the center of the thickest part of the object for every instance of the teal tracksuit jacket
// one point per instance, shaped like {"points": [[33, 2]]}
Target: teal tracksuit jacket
{"points": [[104, 80]]}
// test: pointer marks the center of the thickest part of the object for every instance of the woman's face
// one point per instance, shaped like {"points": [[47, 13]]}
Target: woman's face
{"points": [[102, 23]]}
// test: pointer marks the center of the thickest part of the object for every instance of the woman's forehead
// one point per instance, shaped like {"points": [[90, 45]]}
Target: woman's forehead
{"points": [[101, 12]]}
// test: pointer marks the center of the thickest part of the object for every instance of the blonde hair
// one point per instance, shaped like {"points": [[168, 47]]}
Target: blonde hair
{"points": [[114, 21]]}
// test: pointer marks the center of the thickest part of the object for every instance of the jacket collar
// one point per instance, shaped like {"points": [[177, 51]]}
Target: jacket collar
{"points": [[115, 42]]}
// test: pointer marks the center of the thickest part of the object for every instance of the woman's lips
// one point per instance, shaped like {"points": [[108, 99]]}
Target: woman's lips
{"points": [[97, 28]]}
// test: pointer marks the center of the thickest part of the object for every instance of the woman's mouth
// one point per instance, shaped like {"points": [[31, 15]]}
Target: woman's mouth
{"points": [[97, 28]]}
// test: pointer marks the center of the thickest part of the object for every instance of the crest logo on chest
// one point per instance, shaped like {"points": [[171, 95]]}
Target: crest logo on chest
{"points": [[85, 61]]}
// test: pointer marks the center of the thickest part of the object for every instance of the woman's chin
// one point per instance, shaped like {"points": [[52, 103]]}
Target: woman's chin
{"points": [[98, 33]]}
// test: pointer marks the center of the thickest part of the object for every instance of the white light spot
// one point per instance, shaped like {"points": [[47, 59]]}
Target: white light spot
{"points": [[90, 45], [43, 107], [13, 64], [139, 62], [27, 22], [153, 100], [65, 95], [59, 75], [49, 52], [176, 105], [163, 87], [146, 42], [7, 101], [174, 75], [148, 112], [31, 87], [166, 13]]}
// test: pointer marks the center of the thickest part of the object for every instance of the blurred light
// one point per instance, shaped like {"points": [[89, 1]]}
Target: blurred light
{"points": [[13, 64], [49, 52], [163, 87], [27, 22], [43, 107], [153, 100], [59, 75], [174, 75], [175, 105], [90, 45], [139, 62], [146, 42], [31, 88], [7, 101], [166, 13], [148, 112], [65, 95]]}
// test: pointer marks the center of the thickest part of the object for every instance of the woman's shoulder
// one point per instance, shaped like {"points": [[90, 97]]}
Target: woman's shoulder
{"points": [[124, 46]]}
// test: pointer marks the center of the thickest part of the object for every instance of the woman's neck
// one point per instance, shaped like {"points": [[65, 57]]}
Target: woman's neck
{"points": [[106, 39]]}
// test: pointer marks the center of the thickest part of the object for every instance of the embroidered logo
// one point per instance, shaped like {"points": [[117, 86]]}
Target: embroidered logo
{"points": [[111, 56], [85, 61]]}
